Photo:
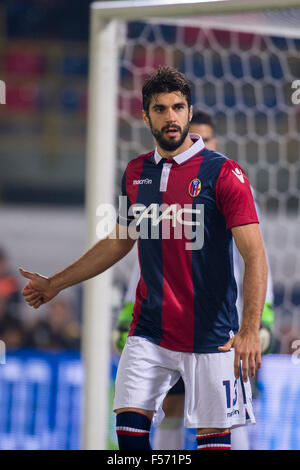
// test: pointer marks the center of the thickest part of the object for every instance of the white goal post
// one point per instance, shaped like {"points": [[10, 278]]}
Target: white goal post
{"points": [[101, 163]]}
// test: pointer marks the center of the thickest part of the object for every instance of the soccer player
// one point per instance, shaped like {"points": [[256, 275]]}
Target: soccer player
{"points": [[170, 435], [184, 203]]}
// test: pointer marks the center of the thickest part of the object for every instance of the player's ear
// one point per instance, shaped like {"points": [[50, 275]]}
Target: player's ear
{"points": [[145, 118], [190, 113]]}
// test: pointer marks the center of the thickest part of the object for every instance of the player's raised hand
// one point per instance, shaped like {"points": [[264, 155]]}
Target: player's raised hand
{"points": [[38, 290], [248, 350]]}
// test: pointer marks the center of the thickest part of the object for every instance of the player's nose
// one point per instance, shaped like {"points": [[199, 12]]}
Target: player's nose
{"points": [[170, 116]]}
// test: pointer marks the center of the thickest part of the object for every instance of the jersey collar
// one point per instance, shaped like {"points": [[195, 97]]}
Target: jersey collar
{"points": [[184, 156]]}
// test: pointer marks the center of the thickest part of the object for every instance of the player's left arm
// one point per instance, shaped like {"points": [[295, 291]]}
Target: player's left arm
{"points": [[268, 314], [246, 342], [267, 319]]}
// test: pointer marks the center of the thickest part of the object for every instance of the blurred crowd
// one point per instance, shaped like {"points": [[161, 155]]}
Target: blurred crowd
{"points": [[57, 328]]}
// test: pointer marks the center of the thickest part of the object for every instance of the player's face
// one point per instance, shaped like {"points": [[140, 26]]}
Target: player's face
{"points": [[207, 134], [169, 119]]}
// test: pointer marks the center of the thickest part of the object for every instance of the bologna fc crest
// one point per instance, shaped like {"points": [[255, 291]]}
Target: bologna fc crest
{"points": [[194, 187]]}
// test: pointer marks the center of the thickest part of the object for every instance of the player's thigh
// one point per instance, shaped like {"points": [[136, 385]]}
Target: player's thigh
{"points": [[145, 374], [173, 405]]}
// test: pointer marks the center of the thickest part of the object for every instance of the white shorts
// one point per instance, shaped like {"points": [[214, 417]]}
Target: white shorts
{"points": [[213, 397]]}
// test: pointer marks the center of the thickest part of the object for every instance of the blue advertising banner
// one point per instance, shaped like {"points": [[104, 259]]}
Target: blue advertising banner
{"points": [[277, 407], [41, 403]]}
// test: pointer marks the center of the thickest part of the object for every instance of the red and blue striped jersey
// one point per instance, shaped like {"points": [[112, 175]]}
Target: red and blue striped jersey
{"points": [[186, 295]]}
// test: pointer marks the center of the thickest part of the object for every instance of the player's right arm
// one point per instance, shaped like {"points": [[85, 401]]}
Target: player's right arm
{"points": [[96, 260]]}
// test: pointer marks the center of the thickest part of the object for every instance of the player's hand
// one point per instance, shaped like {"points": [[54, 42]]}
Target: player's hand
{"points": [[247, 349], [38, 290]]}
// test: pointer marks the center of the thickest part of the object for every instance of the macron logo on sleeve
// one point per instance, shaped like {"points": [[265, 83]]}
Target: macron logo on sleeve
{"points": [[238, 173]]}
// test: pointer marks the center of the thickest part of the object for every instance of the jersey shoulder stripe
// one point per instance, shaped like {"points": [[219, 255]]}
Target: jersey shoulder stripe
{"points": [[137, 161]]}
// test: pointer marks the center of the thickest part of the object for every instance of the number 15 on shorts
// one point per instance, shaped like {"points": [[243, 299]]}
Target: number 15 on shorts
{"points": [[227, 385]]}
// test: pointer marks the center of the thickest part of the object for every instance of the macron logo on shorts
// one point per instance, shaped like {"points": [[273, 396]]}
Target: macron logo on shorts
{"points": [[238, 173]]}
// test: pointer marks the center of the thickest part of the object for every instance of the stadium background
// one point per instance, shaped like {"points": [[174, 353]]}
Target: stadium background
{"points": [[245, 81]]}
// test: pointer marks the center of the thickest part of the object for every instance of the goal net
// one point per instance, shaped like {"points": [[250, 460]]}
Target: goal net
{"points": [[243, 69], [244, 80]]}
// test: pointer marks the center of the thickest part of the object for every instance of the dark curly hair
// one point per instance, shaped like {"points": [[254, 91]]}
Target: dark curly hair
{"points": [[201, 117], [165, 80]]}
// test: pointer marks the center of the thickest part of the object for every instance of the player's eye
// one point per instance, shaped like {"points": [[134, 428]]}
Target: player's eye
{"points": [[158, 109]]}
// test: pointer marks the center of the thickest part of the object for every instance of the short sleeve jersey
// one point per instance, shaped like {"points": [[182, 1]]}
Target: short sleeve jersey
{"points": [[184, 209]]}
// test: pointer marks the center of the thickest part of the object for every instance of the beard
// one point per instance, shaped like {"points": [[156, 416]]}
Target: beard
{"points": [[170, 144]]}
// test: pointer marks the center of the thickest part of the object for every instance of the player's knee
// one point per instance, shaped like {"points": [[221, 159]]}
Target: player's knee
{"points": [[148, 413], [212, 430], [213, 439]]}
